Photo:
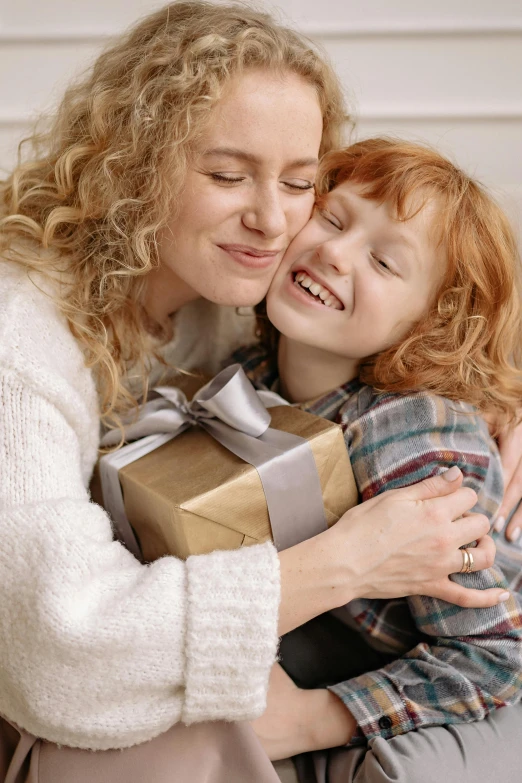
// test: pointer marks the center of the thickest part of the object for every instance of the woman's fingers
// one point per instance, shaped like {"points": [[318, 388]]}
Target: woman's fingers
{"points": [[444, 509], [510, 447], [444, 497], [514, 527], [511, 499], [436, 486], [470, 527], [483, 555], [467, 597]]}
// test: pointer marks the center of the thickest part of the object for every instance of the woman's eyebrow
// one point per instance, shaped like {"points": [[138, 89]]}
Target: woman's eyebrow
{"points": [[249, 157]]}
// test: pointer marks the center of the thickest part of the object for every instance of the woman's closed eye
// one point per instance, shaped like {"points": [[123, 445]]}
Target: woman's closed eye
{"points": [[227, 179], [298, 184]]}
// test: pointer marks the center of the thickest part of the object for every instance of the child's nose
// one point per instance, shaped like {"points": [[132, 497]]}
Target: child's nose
{"points": [[341, 256]]}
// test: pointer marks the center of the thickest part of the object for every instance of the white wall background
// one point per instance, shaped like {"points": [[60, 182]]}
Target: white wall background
{"points": [[448, 72]]}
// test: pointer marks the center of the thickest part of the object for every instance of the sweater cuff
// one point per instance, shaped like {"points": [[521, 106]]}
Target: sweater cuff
{"points": [[376, 705], [231, 642]]}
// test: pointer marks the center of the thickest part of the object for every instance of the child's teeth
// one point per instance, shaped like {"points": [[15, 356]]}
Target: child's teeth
{"points": [[327, 298]]}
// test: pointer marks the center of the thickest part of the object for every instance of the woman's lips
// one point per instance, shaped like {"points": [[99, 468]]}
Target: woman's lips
{"points": [[252, 257]]}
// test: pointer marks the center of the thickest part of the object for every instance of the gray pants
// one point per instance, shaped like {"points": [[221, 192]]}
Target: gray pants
{"points": [[327, 651], [467, 753]]}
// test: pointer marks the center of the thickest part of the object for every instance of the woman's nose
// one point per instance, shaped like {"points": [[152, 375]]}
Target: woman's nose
{"points": [[266, 214]]}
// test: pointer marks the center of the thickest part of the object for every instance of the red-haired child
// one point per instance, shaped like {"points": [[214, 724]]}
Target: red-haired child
{"points": [[396, 313]]}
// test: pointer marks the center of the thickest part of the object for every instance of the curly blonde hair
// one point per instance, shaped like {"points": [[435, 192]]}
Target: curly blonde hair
{"points": [[467, 347], [99, 185]]}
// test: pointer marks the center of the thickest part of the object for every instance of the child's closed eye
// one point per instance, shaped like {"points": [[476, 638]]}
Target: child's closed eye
{"points": [[382, 264], [330, 218]]}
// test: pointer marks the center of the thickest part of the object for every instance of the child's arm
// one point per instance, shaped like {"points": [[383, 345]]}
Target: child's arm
{"points": [[470, 661]]}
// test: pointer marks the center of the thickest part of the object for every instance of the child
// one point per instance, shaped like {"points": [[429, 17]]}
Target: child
{"points": [[397, 315]]}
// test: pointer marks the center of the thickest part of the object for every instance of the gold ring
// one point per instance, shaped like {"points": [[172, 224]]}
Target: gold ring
{"points": [[465, 561]]}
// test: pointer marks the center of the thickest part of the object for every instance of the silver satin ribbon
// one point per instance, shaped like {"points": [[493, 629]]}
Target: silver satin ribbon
{"points": [[229, 409]]}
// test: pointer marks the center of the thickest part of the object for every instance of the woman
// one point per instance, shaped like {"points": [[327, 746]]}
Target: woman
{"points": [[174, 173]]}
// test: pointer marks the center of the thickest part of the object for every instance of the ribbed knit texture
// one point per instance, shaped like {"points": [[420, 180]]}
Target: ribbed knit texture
{"points": [[96, 650]]}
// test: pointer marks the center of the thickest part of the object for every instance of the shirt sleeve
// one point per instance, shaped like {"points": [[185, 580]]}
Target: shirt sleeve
{"points": [[468, 662]]}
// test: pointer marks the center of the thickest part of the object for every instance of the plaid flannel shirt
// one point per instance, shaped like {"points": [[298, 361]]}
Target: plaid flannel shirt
{"points": [[453, 665]]}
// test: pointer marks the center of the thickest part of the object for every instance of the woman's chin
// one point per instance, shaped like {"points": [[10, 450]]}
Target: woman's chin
{"points": [[243, 296]]}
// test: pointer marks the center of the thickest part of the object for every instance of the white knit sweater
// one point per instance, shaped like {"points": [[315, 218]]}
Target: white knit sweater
{"points": [[96, 650]]}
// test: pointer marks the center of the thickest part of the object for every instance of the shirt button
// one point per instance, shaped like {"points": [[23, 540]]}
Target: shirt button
{"points": [[385, 722]]}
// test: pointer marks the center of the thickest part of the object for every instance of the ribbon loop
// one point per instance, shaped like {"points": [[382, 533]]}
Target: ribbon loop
{"points": [[231, 398]]}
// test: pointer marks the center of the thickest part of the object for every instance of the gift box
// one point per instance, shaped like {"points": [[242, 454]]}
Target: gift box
{"points": [[192, 496]]}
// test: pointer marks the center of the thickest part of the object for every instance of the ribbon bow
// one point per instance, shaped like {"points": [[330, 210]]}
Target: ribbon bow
{"points": [[229, 409]]}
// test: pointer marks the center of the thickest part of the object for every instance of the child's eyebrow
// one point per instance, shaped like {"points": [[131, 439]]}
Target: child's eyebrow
{"points": [[403, 242]]}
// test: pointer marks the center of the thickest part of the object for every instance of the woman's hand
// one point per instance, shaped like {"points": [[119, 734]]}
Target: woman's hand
{"points": [[403, 542], [415, 545], [296, 720], [510, 447]]}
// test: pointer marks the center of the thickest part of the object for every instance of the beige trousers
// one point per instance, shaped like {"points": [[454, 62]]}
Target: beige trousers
{"points": [[202, 753]]}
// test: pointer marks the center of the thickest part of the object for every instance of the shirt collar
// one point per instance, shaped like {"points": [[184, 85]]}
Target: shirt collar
{"points": [[262, 371]]}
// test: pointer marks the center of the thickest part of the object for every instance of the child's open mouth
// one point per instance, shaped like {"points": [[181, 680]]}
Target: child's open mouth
{"points": [[317, 291]]}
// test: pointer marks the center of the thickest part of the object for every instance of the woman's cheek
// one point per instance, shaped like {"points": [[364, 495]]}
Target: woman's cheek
{"points": [[301, 214]]}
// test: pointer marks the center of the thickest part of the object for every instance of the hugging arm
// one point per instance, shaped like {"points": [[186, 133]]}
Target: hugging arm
{"points": [[469, 661], [97, 650]]}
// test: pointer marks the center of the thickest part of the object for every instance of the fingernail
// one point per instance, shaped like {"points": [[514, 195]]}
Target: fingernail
{"points": [[499, 524], [451, 474], [515, 535], [503, 597]]}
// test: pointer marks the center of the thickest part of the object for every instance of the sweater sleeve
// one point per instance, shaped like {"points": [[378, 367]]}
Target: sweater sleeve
{"points": [[468, 662], [96, 650]]}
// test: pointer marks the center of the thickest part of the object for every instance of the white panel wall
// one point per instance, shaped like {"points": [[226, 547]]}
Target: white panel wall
{"points": [[448, 72]]}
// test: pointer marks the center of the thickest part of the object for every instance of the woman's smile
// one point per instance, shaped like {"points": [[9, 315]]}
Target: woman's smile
{"points": [[252, 257]]}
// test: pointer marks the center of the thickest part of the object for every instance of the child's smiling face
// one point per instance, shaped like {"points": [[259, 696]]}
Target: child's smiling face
{"points": [[373, 276]]}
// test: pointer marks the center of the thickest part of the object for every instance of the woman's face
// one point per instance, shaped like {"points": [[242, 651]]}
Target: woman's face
{"points": [[248, 192]]}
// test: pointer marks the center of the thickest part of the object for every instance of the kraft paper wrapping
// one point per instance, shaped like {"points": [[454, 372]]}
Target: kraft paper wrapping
{"points": [[192, 496]]}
